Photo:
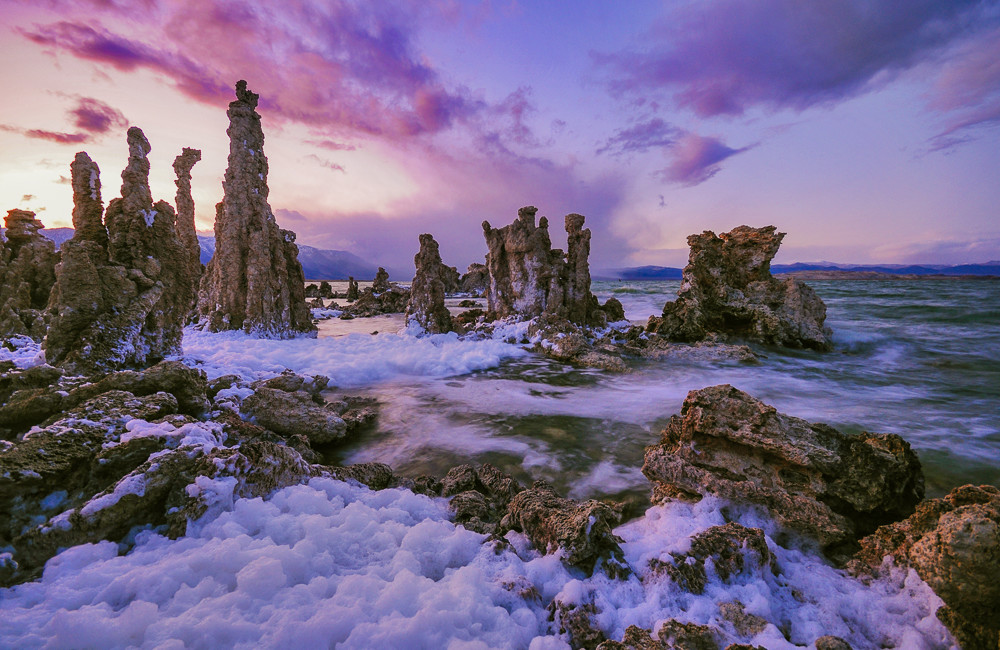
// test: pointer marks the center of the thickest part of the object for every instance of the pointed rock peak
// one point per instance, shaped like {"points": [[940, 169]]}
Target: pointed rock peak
{"points": [[138, 144], [245, 96], [185, 161], [88, 209]]}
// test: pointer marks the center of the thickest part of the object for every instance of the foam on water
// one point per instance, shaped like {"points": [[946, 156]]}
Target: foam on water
{"points": [[329, 564]]}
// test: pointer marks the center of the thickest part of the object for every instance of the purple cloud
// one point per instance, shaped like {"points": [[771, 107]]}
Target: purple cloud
{"points": [[641, 137], [968, 90], [696, 159], [96, 116], [725, 57], [51, 136]]}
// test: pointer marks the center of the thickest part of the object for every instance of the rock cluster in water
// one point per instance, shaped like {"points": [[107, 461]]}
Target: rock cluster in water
{"points": [[123, 287], [814, 479], [383, 297], [27, 265], [727, 288], [527, 278], [426, 305], [254, 282]]}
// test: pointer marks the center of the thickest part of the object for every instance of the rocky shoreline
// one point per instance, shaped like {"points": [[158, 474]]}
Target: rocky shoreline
{"points": [[105, 434]]}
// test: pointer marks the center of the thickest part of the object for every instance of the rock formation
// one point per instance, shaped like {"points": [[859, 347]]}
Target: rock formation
{"points": [[383, 297], [254, 282], [475, 280], [732, 550], [122, 292], [426, 305], [381, 282], [954, 544], [814, 479], [352, 289], [185, 212], [527, 278], [727, 288], [27, 265]]}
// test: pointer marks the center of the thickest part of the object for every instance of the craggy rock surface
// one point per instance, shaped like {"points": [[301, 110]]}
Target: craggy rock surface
{"points": [[475, 280], [383, 297], [954, 544], [673, 635], [254, 282], [122, 293], [479, 496], [727, 288], [814, 479], [527, 278], [733, 549], [583, 531], [28, 269], [186, 230], [426, 305], [352, 289]]}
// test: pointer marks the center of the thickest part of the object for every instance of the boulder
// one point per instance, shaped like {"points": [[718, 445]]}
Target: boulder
{"points": [[290, 413], [727, 288], [732, 550], [814, 479], [479, 496], [582, 531], [254, 282], [28, 267], [475, 280], [954, 545], [527, 278], [186, 230], [426, 305]]}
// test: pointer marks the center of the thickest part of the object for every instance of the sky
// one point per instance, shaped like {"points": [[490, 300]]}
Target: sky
{"points": [[869, 131]]}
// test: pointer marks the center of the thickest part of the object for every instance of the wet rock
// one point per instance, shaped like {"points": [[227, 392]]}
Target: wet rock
{"points": [[527, 278], [475, 280], [383, 297], [614, 310], [578, 621], [290, 413], [27, 265], [672, 635], [733, 549], [744, 623], [377, 476], [814, 479], [451, 278], [426, 305], [728, 288], [479, 495], [188, 385], [352, 289], [254, 282], [954, 544], [186, 230], [583, 531], [830, 642]]}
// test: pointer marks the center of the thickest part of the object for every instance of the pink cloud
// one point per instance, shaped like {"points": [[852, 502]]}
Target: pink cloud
{"points": [[696, 159], [96, 116]]}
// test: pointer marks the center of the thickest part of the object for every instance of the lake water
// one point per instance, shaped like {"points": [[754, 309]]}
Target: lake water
{"points": [[916, 358]]}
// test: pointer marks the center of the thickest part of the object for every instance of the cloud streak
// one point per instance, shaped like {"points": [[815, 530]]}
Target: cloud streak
{"points": [[696, 159]]}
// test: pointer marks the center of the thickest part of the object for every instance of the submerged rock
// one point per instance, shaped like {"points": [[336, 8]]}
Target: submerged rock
{"points": [[426, 305], [28, 268], [527, 278], [727, 288], [954, 544], [814, 479], [122, 293], [254, 282]]}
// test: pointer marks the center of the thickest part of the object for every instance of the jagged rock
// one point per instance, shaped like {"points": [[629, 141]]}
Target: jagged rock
{"points": [[614, 310], [744, 623], [352, 289], [122, 293], [727, 288], [954, 544], [377, 476], [383, 297], [672, 635], [732, 549], [578, 621], [583, 531], [451, 278], [527, 278], [813, 478], [830, 642], [479, 496], [325, 290], [186, 230], [564, 341], [290, 413], [475, 280], [426, 305], [27, 265], [254, 282]]}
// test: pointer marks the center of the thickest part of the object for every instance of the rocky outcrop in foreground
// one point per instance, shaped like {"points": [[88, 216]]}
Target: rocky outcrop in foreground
{"points": [[426, 305], [814, 479], [28, 268], [254, 282], [727, 288], [954, 544], [527, 278], [123, 290]]}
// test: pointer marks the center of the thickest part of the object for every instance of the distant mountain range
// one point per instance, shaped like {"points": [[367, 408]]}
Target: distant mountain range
{"points": [[321, 264], [671, 273]]}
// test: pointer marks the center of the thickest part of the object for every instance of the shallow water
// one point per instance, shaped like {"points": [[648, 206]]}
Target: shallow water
{"points": [[920, 359]]}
